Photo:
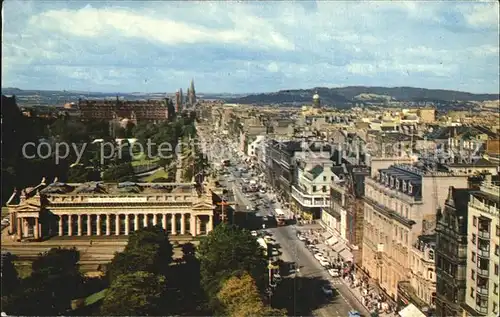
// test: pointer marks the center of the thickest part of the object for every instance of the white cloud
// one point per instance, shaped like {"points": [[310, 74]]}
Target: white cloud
{"points": [[482, 15], [263, 45], [91, 22]]}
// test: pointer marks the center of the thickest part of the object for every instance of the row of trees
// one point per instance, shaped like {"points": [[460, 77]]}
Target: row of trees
{"points": [[55, 281], [233, 273]]}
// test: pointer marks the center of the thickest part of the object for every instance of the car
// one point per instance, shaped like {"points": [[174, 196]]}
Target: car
{"points": [[301, 237], [318, 256], [253, 233], [334, 272], [327, 289], [354, 313], [324, 263]]}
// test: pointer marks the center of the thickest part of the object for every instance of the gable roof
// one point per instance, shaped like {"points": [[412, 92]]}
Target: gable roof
{"points": [[314, 172]]}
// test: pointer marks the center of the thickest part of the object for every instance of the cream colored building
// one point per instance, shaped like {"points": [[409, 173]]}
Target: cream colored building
{"points": [[482, 285], [400, 205], [102, 209]]}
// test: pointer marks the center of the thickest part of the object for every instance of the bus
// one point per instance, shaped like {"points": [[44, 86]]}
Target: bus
{"points": [[280, 217]]}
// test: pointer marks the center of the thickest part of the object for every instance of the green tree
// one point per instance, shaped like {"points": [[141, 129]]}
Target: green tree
{"points": [[225, 251], [134, 294], [239, 297], [10, 278], [54, 282], [119, 173], [78, 174], [148, 249]]}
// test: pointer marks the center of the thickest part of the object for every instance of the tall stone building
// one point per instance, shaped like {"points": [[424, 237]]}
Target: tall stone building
{"points": [[451, 253], [400, 205], [482, 285]]}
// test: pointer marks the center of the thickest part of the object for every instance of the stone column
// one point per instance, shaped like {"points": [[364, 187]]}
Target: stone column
{"points": [[183, 224], [145, 221], [173, 231], [136, 222], [36, 229], [12, 224], [89, 225], [198, 226], [164, 222], [210, 225], [192, 226], [19, 228], [108, 224], [155, 220], [79, 225], [60, 225], [117, 224], [98, 225], [127, 225], [70, 225]]}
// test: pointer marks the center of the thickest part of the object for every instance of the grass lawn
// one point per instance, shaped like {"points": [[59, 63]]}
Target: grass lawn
{"points": [[157, 174], [23, 268], [141, 159], [94, 298]]}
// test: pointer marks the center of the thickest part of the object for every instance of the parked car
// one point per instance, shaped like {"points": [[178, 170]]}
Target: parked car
{"points": [[253, 233], [334, 272], [324, 263], [318, 256]]}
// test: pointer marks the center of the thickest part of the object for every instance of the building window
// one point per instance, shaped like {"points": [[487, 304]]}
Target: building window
{"points": [[472, 275], [324, 189], [497, 249], [314, 188], [495, 288], [324, 178], [496, 269], [472, 292], [498, 231], [495, 307], [474, 221], [473, 257], [474, 238]]}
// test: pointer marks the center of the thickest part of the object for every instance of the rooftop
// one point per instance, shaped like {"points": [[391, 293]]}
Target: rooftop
{"points": [[125, 188]]}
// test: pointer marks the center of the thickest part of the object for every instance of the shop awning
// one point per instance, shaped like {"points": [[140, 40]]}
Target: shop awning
{"points": [[332, 241], [339, 247], [346, 255], [411, 311]]}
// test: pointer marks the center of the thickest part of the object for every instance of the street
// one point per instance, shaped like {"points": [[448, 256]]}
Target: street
{"points": [[300, 293]]}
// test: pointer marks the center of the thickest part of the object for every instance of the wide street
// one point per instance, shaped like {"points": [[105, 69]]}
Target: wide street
{"points": [[301, 292]]}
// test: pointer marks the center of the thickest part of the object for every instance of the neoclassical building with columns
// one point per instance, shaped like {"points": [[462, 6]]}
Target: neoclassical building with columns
{"points": [[106, 209]]}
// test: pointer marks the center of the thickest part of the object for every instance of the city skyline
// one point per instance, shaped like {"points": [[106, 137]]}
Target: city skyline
{"points": [[249, 47]]}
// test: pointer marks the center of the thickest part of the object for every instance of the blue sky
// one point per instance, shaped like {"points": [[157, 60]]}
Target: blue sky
{"points": [[242, 47]]}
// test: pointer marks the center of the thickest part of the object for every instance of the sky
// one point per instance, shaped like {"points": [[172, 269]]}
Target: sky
{"points": [[245, 47]]}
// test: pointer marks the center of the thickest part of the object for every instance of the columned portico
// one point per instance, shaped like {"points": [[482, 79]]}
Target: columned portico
{"points": [[67, 212]]}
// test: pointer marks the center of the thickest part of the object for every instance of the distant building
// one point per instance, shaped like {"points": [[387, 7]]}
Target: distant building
{"points": [[316, 101], [192, 94], [147, 110]]}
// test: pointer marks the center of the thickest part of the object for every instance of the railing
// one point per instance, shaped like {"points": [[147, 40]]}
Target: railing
{"points": [[482, 290], [310, 200], [483, 273], [483, 253], [482, 309], [483, 234]]}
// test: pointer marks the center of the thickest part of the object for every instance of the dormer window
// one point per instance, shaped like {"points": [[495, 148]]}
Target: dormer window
{"points": [[397, 183], [410, 188], [404, 186]]}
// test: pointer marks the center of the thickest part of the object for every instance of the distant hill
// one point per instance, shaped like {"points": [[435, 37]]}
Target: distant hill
{"points": [[59, 98], [347, 95]]}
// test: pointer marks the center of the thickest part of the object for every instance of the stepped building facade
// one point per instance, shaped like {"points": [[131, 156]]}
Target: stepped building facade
{"points": [[101, 209]]}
